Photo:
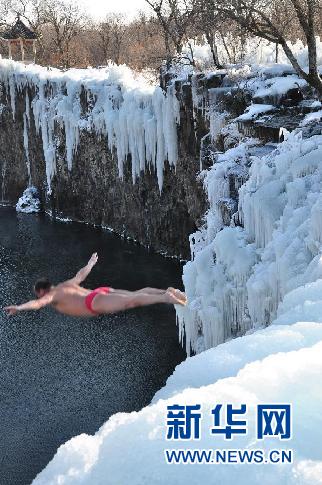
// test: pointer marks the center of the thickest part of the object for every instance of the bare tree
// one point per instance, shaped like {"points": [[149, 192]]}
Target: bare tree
{"points": [[175, 18], [66, 21], [207, 22], [144, 46], [30, 10], [5, 8], [272, 20], [111, 33]]}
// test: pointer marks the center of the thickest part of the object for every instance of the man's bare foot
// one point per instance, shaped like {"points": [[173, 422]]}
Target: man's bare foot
{"points": [[182, 296], [178, 294], [172, 298]]}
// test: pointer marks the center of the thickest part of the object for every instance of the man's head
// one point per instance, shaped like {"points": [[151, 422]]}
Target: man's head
{"points": [[42, 286]]}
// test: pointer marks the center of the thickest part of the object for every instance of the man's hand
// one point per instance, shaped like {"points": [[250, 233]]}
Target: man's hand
{"points": [[93, 260], [84, 272], [12, 310]]}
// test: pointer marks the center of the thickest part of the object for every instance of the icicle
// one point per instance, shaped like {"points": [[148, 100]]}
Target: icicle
{"points": [[215, 117], [137, 119], [3, 176], [26, 145], [12, 89], [27, 107], [44, 121]]}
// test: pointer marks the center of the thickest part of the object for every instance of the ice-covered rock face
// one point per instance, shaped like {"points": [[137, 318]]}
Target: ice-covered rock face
{"points": [[239, 275], [138, 120]]}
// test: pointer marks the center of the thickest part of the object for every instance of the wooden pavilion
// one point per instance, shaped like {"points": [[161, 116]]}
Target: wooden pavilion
{"points": [[21, 35]]}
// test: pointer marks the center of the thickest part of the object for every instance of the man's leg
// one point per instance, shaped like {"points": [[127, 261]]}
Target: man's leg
{"points": [[116, 302], [156, 291], [151, 291], [147, 290]]}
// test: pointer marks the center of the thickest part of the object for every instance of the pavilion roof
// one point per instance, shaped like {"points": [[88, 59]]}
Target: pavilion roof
{"points": [[19, 31]]}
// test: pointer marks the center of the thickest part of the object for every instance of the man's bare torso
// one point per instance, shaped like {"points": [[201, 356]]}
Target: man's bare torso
{"points": [[69, 298]]}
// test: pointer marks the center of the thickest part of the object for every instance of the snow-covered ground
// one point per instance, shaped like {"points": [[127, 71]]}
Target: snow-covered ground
{"points": [[255, 53]]}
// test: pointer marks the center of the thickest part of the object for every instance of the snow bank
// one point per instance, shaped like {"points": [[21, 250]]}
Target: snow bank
{"points": [[229, 358], [137, 118], [279, 364], [29, 201]]}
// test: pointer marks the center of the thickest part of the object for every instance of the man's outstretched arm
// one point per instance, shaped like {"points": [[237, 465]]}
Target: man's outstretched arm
{"points": [[84, 272], [30, 305]]}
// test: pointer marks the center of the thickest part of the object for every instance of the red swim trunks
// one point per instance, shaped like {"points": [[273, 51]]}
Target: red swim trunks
{"points": [[90, 297]]}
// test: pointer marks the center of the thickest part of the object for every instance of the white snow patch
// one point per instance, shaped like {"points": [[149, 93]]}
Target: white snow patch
{"points": [[277, 86], [254, 110], [29, 201], [312, 117]]}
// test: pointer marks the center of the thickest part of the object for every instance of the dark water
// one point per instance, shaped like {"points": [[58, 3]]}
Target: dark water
{"points": [[62, 376]]}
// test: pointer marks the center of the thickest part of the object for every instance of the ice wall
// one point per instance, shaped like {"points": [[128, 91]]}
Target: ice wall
{"points": [[138, 119], [238, 275]]}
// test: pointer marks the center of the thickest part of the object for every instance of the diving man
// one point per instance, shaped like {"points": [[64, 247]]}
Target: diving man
{"points": [[72, 299]]}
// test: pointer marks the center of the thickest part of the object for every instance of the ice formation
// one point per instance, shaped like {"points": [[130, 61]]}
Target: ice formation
{"points": [[239, 275], [29, 201], [137, 119]]}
